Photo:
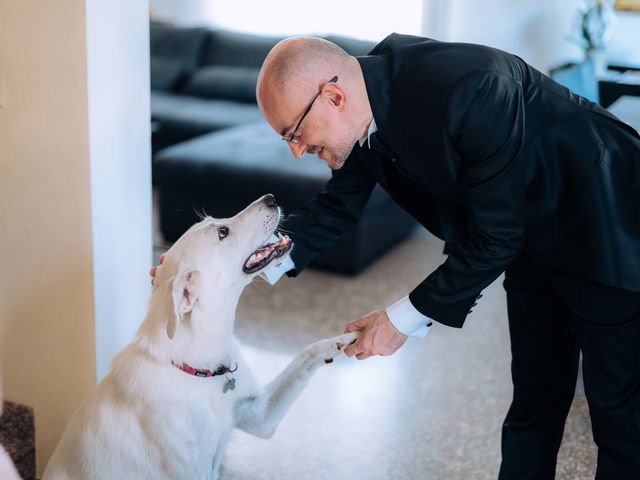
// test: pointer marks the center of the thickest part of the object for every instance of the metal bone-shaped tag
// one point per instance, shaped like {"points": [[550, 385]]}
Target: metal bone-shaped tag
{"points": [[230, 385]]}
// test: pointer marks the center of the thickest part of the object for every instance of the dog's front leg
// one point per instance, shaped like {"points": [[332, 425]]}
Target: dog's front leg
{"points": [[260, 415]]}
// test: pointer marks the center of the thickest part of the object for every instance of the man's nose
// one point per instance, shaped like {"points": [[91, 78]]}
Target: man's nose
{"points": [[298, 149]]}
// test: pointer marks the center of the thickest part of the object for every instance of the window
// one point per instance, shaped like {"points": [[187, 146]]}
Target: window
{"points": [[357, 18]]}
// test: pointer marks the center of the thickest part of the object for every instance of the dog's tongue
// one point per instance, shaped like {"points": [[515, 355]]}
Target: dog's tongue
{"points": [[264, 255], [261, 254]]}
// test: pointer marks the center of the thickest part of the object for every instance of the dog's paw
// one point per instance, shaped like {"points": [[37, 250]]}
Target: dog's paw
{"points": [[326, 350]]}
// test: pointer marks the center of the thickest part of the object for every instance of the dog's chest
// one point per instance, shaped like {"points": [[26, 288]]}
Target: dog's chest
{"points": [[195, 436], [222, 400]]}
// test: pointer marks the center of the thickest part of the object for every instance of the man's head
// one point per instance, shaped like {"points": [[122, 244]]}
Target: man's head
{"points": [[314, 85]]}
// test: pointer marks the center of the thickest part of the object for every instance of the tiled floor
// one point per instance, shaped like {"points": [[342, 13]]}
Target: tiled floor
{"points": [[432, 410]]}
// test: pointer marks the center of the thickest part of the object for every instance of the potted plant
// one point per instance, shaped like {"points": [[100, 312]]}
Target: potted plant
{"points": [[596, 23]]}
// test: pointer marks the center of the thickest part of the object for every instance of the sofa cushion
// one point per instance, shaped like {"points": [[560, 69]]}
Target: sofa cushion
{"points": [[205, 115], [166, 73], [223, 47], [250, 155], [179, 43], [175, 53], [181, 117], [224, 82], [247, 160]]}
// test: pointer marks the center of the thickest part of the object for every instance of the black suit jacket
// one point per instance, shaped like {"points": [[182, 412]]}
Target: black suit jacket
{"points": [[491, 155]]}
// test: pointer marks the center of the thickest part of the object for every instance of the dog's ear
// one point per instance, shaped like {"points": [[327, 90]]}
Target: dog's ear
{"points": [[184, 293]]}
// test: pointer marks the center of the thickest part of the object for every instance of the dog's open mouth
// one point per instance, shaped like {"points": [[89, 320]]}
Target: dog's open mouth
{"points": [[264, 255]]}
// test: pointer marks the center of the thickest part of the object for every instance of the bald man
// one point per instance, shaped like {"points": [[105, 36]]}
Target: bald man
{"points": [[518, 175]]}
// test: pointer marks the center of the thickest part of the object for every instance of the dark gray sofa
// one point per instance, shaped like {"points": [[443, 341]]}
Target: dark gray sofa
{"points": [[214, 154], [204, 80]]}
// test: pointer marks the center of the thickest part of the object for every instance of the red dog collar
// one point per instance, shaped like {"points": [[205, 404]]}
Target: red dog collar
{"points": [[221, 370]]}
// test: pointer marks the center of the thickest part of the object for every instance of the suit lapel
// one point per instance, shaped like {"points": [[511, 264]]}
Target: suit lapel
{"points": [[408, 169]]}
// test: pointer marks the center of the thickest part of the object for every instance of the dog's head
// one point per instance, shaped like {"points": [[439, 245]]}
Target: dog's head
{"points": [[220, 257]]}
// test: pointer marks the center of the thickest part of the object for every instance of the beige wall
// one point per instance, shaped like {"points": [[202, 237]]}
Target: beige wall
{"points": [[47, 344]]}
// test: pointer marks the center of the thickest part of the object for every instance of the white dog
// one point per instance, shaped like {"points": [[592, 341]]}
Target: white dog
{"points": [[168, 406]]}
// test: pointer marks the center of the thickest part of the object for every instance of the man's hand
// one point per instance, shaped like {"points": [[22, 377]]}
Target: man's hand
{"points": [[378, 336], [154, 269]]}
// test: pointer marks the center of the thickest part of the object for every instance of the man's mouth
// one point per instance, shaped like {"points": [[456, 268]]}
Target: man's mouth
{"points": [[314, 150], [264, 255]]}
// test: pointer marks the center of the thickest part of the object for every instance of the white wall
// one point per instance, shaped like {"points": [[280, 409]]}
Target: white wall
{"points": [[119, 143], [625, 47], [436, 19], [536, 31], [183, 12], [357, 18], [75, 201]]}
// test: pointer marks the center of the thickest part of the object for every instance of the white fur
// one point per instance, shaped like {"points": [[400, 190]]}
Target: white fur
{"points": [[149, 420]]}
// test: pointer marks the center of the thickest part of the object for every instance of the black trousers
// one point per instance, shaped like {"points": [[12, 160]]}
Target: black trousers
{"points": [[552, 318]]}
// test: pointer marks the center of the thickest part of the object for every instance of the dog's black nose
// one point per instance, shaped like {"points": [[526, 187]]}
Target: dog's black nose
{"points": [[270, 201]]}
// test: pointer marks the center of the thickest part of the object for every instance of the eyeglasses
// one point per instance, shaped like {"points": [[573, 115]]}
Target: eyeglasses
{"points": [[291, 138]]}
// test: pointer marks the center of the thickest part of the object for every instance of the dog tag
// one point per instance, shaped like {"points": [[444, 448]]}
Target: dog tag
{"points": [[230, 385]]}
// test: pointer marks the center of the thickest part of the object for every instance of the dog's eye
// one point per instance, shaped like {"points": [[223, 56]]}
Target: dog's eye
{"points": [[223, 232]]}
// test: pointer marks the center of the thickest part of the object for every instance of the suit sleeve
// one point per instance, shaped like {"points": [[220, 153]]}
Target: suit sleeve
{"points": [[485, 124], [321, 222]]}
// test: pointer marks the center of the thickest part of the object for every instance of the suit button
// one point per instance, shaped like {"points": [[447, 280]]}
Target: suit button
{"points": [[429, 324], [393, 160]]}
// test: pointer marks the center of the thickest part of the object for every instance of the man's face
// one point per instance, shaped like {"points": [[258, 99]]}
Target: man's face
{"points": [[324, 131], [324, 138]]}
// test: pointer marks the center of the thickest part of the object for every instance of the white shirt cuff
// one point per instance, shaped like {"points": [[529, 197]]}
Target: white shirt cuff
{"points": [[274, 271], [408, 320]]}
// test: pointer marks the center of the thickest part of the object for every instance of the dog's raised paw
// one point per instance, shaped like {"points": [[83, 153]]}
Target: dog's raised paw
{"points": [[340, 343], [327, 350]]}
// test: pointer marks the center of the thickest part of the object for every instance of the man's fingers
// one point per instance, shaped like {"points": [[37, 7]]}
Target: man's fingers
{"points": [[351, 327], [354, 350], [154, 270], [355, 326], [351, 350]]}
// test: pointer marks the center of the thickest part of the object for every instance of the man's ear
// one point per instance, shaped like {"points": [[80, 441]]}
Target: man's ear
{"points": [[185, 290], [336, 95]]}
